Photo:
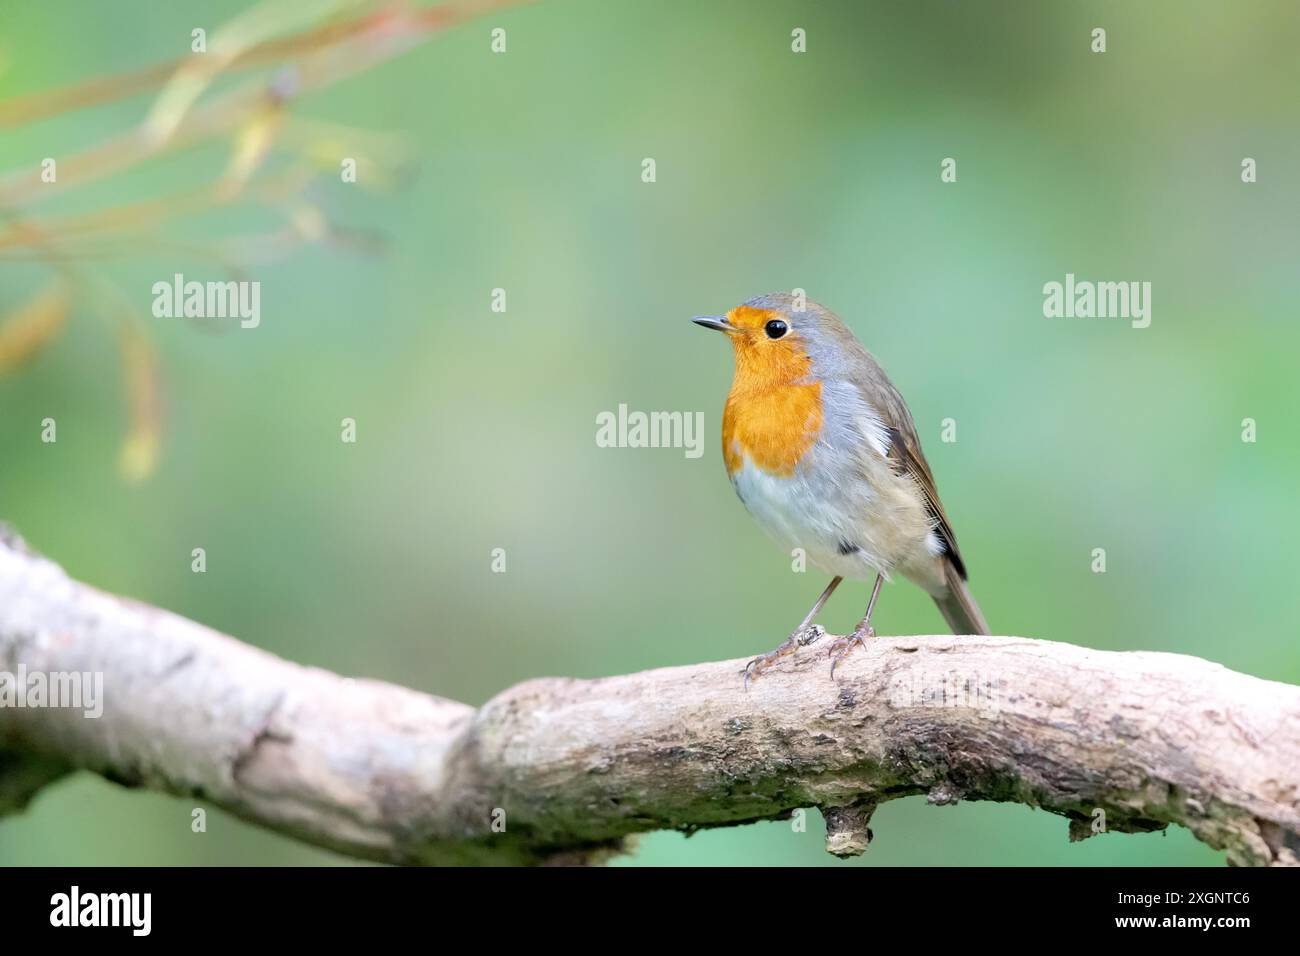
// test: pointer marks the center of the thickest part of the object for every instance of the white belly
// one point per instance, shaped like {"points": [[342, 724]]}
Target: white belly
{"points": [[855, 529]]}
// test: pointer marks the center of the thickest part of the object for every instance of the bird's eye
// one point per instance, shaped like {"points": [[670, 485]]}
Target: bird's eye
{"points": [[775, 329]]}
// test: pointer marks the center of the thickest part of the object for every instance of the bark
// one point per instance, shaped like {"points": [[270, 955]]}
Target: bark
{"points": [[556, 770]]}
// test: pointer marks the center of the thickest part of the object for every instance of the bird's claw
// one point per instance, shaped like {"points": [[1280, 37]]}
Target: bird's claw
{"points": [[842, 646], [763, 661], [800, 638]]}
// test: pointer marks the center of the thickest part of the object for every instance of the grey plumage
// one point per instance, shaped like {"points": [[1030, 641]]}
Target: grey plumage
{"points": [[864, 409]]}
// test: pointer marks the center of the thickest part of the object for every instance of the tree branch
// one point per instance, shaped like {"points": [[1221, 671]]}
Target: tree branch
{"points": [[570, 768]]}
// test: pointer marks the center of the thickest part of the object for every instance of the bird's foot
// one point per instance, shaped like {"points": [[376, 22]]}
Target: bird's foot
{"points": [[800, 638], [842, 646]]}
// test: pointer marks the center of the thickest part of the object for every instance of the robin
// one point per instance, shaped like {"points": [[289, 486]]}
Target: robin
{"points": [[823, 453]]}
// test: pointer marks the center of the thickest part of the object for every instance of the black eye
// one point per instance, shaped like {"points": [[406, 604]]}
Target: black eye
{"points": [[775, 329]]}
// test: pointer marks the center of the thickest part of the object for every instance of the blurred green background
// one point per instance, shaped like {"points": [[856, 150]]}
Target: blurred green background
{"points": [[775, 170]]}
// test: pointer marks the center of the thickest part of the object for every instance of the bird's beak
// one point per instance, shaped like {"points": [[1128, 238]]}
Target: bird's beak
{"points": [[716, 322]]}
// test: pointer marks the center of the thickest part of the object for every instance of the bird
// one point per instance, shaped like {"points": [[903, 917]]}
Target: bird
{"points": [[822, 451]]}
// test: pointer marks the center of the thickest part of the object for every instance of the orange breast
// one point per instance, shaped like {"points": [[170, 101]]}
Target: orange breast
{"points": [[774, 426], [774, 411]]}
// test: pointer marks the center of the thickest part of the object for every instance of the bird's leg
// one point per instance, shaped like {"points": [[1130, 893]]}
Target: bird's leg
{"points": [[805, 634], [802, 636], [864, 630]]}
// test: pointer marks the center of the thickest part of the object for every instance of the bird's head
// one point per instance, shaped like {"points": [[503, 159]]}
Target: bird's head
{"points": [[779, 338]]}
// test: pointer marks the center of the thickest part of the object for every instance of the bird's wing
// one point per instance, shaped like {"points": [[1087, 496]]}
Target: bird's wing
{"points": [[905, 450]]}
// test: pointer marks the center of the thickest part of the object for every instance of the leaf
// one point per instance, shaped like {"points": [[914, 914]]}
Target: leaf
{"points": [[252, 145], [139, 456], [32, 325]]}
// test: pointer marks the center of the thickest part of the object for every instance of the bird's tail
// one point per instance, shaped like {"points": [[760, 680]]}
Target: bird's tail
{"points": [[958, 605]]}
